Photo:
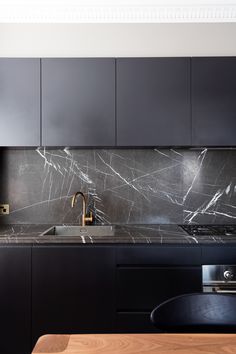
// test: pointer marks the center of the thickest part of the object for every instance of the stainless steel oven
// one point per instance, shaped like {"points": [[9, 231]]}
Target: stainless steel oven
{"points": [[219, 279]]}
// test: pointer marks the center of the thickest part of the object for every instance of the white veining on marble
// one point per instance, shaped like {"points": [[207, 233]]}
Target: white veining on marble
{"points": [[121, 177], [39, 203]]}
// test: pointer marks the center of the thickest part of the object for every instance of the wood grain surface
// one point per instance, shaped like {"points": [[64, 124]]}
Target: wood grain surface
{"points": [[52, 344], [137, 343]]}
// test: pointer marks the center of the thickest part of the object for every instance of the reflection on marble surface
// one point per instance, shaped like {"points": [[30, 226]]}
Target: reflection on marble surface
{"points": [[212, 192], [125, 186]]}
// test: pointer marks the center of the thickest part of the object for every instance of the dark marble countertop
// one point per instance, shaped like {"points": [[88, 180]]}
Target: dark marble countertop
{"points": [[127, 234]]}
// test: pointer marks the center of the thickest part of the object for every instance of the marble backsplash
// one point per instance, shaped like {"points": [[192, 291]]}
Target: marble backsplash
{"points": [[134, 186]]}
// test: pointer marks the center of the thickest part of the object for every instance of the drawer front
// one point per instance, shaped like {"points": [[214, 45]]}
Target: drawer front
{"points": [[219, 255], [143, 288], [162, 255]]}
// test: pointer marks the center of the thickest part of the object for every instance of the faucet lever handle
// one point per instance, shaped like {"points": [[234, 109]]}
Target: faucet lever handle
{"points": [[90, 217]]}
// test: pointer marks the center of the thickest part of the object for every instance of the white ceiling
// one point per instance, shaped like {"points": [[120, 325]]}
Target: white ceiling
{"points": [[117, 11]]}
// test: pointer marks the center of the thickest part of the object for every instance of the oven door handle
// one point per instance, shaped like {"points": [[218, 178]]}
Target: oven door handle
{"points": [[219, 291]]}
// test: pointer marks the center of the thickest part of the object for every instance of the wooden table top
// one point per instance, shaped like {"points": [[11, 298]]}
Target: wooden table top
{"points": [[137, 344]]}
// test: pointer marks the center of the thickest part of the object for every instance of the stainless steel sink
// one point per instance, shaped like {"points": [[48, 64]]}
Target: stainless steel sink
{"points": [[104, 230]]}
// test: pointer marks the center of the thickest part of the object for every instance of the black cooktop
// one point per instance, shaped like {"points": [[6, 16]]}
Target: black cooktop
{"points": [[210, 230]]}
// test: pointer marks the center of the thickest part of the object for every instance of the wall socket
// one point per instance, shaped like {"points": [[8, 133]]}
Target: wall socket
{"points": [[4, 209]]}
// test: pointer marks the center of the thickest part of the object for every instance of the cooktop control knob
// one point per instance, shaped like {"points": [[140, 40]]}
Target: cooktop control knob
{"points": [[228, 275]]}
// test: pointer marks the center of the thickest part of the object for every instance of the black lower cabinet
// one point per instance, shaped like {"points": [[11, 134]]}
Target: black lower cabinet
{"points": [[15, 299], [145, 278], [140, 289], [72, 290], [93, 289]]}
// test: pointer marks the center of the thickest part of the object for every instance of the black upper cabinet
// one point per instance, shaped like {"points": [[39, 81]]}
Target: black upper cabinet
{"points": [[153, 102], [99, 102], [19, 102], [15, 299], [214, 101], [78, 102]]}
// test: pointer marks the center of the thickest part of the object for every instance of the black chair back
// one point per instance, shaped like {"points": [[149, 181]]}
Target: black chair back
{"points": [[197, 313]]}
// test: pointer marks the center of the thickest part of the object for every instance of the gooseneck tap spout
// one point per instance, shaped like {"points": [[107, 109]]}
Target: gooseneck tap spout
{"points": [[84, 217]]}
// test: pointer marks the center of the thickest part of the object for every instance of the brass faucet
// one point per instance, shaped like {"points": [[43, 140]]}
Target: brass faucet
{"points": [[84, 217]]}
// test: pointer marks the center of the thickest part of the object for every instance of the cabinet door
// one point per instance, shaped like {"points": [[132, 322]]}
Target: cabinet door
{"points": [[72, 290], [78, 102], [153, 102], [15, 299], [19, 102], [214, 101]]}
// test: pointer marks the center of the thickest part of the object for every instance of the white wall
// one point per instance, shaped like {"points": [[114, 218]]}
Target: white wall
{"points": [[114, 40]]}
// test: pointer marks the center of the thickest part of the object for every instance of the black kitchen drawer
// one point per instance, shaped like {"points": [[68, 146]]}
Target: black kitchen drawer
{"points": [[143, 288], [219, 255], [160, 255]]}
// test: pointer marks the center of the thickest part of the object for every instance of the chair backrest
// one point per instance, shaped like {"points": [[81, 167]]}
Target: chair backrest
{"points": [[197, 313]]}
